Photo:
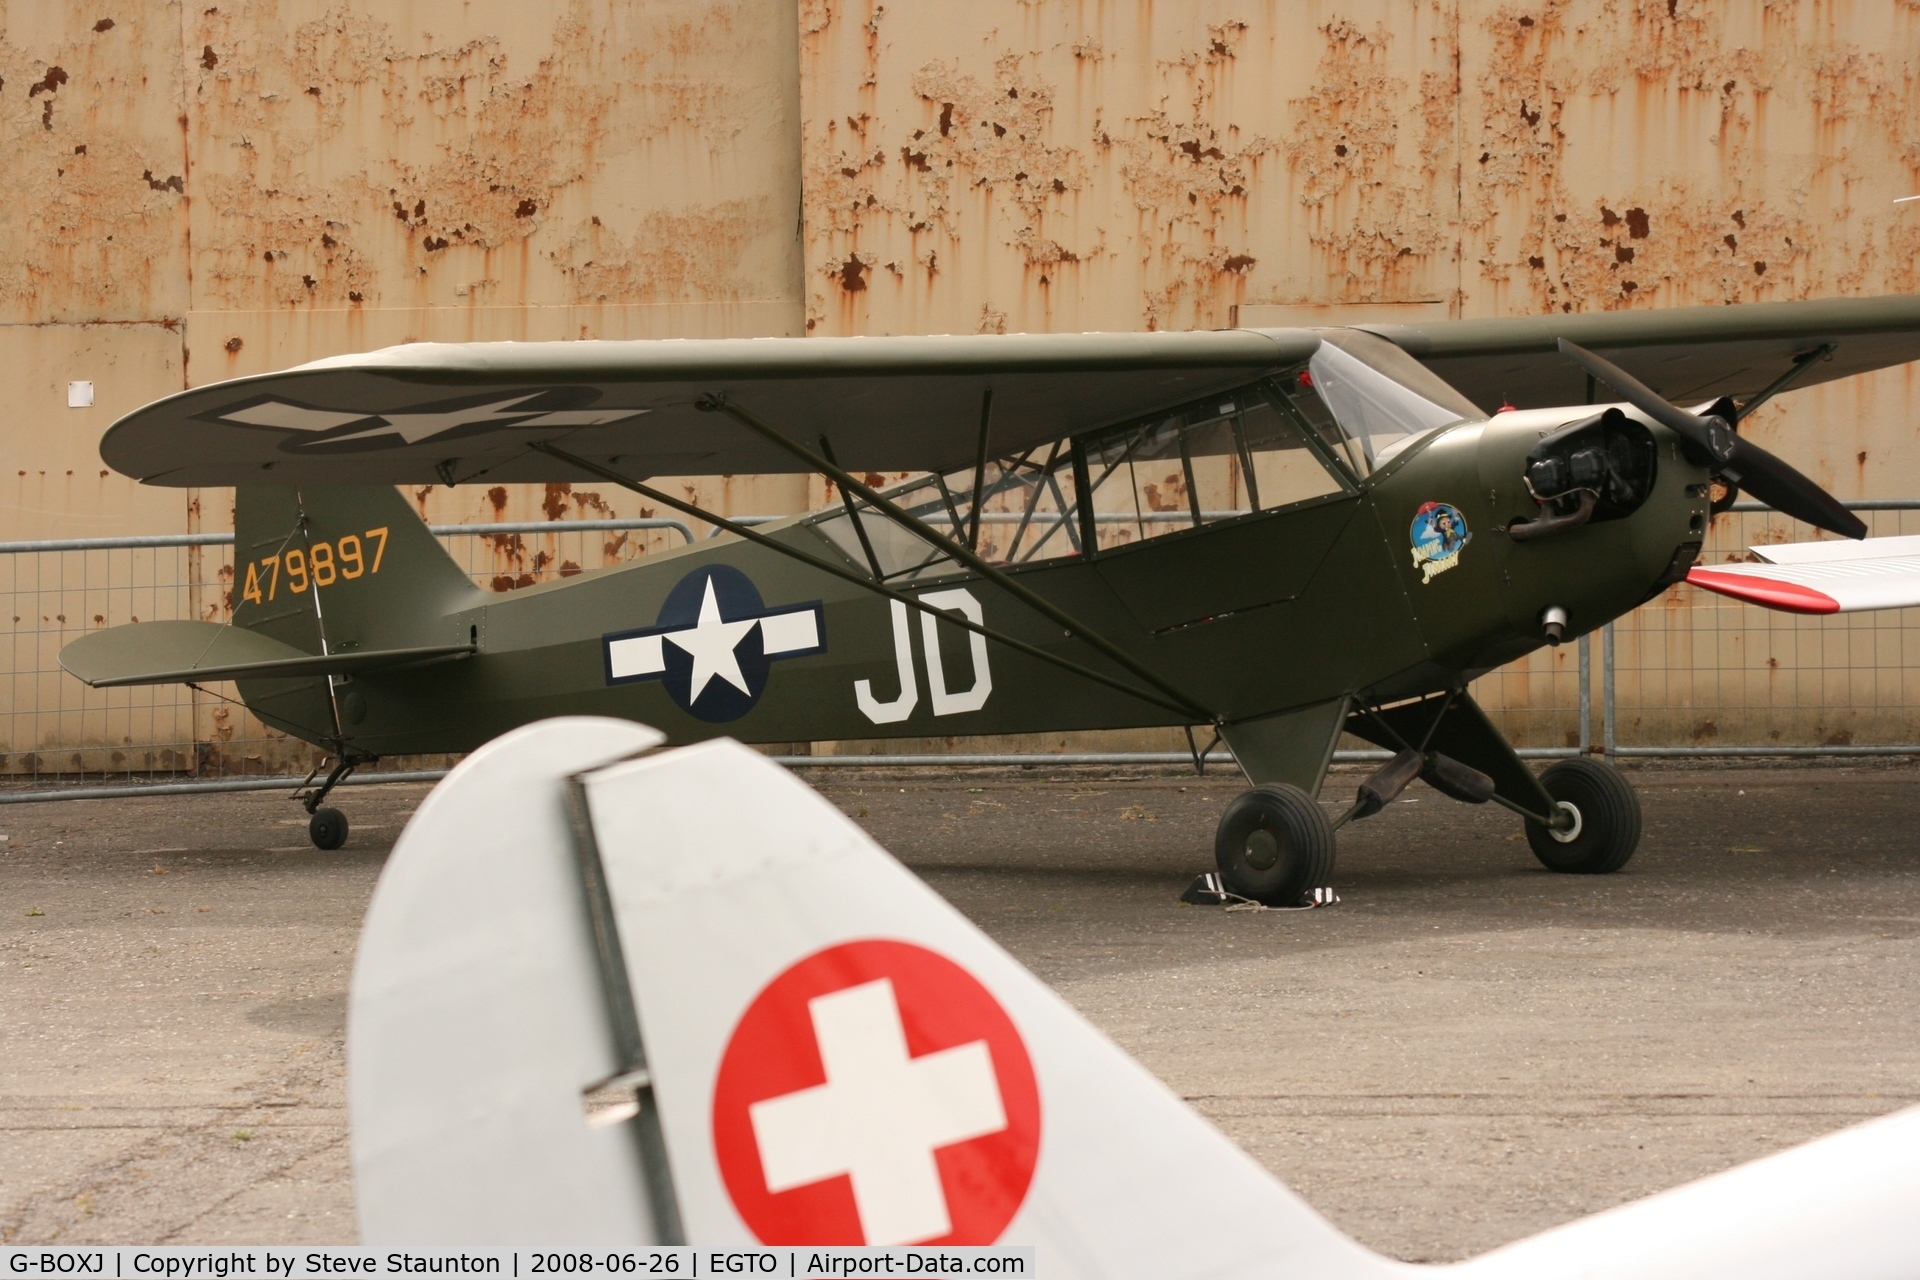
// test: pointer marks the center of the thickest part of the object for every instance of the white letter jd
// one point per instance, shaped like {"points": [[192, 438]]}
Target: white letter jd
{"points": [[944, 703], [901, 707]]}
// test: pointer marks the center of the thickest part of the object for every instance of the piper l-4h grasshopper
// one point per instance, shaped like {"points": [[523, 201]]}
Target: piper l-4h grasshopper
{"points": [[1272, 535]]}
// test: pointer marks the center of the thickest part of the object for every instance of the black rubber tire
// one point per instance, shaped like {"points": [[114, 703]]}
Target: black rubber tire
{"points": [[1609, 819], [327, 828], [1274, 843]]}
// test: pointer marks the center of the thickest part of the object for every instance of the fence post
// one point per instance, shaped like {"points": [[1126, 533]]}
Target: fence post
{"points": [[1609, 739], [1586, 694]]}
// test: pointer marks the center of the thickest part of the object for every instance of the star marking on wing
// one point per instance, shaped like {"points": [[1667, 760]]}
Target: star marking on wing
{"points": [[412, 428], [711, 643], [415, 427]]}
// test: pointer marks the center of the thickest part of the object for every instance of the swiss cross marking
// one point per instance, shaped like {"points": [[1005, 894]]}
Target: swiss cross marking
{"points": [[880, 1116], [876, 1093]]}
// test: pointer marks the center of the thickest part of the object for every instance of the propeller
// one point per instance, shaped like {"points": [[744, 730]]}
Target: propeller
{"points": [[1737, 460]]}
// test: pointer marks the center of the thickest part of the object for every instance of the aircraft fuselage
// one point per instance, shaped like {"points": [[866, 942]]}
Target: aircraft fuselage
{"points": [[1247, 616]]}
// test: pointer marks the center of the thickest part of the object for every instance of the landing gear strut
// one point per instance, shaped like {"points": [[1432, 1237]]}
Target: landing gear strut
{"points": [[1275, 844], [327, 827]]}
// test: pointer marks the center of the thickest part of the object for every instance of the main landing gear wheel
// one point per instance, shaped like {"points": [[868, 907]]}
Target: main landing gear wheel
{"points": [[327, 828], [1274, 844], [1605, 827]]}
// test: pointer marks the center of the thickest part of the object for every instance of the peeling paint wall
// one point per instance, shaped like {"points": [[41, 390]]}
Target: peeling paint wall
{"points": [[372, 175], [272, 181], [1033, 166], [1658, 155], [1039, 165], [203, 191]]}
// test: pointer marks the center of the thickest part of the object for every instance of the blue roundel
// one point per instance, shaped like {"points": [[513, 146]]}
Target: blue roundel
{"points": [[714, 644]]}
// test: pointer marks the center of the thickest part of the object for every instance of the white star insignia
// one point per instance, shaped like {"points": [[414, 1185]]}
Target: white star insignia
{"points": [[711, 644]]}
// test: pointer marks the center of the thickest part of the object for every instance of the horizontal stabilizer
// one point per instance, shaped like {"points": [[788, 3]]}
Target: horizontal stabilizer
{"points": [[1822, 577], [183, 652]]}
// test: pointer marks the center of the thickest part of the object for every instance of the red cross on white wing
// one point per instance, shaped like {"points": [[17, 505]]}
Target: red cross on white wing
{"points": [[876, 1093]]}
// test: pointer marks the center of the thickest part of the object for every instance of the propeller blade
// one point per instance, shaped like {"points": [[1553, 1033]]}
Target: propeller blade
{"points": [[1734, 457], [1687, 426], [1786, 490]]}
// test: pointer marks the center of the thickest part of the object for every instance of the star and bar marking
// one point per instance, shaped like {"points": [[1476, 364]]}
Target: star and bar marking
{"points": [[714, 644], [424, 423], [707, 630]]}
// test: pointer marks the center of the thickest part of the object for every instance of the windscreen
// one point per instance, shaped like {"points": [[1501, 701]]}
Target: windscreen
{"points": [[1381, 398]]}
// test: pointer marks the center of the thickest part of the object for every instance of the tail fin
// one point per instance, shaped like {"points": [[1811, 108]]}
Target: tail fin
{"points": [[380, 578], [837, 1055]]}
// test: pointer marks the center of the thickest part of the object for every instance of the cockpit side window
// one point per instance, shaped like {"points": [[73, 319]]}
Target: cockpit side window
{"points": [[1256, 448], [1227, 456], [1027, 513]]}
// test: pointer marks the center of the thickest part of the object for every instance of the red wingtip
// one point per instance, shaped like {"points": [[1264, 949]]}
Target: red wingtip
{"points": [[1789, 597]]}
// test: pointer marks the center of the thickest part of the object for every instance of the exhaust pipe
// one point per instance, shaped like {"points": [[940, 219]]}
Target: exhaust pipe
{"points": [[1553, 621]]}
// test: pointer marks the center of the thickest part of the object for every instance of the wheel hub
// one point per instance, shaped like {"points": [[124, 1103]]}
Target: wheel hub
{"points": [[1263, 850], [1572, 830]]}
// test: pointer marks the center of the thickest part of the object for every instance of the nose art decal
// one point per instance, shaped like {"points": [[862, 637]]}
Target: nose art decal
{"points": [[1439, 534]]}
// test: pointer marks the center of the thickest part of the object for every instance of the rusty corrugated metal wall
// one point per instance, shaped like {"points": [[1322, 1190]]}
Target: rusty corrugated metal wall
{"points": [[199, 191], [202, 191]]}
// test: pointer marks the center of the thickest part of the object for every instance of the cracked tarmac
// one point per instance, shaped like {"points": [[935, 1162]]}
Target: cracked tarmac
{"points": [[1467, 1050]]}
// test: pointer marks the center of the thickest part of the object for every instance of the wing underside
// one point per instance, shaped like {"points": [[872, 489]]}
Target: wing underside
{"points": [[1689, 355], [1822, 577]]}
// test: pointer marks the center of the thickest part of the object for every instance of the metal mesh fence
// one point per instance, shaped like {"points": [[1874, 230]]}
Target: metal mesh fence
{"points": [[1689, 673], [53, 729], [57, 728], [1542, 703], [1699, 674]]}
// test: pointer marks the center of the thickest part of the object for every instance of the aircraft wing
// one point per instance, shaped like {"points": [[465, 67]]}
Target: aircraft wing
{"points": [[1822, 577], [681, 997], [1686, 354], [429, 413]]}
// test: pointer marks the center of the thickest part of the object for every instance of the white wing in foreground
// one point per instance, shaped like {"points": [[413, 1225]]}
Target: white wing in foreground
{"points": [[1822, 577], [831, 1054]]}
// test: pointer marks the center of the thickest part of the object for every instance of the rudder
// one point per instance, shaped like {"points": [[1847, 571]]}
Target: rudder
{"points": [[360, 555]]}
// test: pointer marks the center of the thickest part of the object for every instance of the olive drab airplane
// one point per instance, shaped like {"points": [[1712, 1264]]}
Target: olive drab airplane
{"points": [[614, 995], [1272, 536]]}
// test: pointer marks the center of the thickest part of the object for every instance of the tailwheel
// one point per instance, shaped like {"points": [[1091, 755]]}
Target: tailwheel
{"points": [[327, 828], [1601, 817], [1274, 845]]}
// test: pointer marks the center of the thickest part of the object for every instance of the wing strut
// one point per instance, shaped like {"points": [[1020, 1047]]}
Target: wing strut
{"points": [[847, 575], [853, 517], [718, 403], [1801, 363], [979, 470]]}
